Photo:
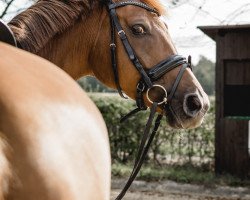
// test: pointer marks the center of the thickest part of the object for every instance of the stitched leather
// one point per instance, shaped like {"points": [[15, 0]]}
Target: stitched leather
{"points": [[134, 3], [128, 48], [165, 66]]}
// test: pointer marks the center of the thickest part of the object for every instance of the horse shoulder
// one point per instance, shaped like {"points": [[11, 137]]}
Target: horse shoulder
{"points": [[56, 136]]}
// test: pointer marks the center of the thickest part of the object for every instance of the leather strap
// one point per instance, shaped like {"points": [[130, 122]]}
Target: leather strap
{"points": [[165, 66], [146, 141], [134, 3], [128, 47], [131, 113], [113, 60], [177, 81]]}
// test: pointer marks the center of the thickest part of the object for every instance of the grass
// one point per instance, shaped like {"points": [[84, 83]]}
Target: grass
{"points": [[183, 174]]}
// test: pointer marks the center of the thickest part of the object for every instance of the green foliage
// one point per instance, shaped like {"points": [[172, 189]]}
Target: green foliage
{"points": [[185, 173], [169, 146], [193, 145], [125, 137], [91, 84], [205, 73]]}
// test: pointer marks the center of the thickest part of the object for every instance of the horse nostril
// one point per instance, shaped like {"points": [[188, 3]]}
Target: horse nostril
{"points": [[192, 105]]}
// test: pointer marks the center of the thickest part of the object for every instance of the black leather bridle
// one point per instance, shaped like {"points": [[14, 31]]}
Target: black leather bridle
{"points": [[147, 76], [146, 83]]}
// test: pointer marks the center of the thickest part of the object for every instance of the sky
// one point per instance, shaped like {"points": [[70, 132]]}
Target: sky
{"points": [[183, 20]]}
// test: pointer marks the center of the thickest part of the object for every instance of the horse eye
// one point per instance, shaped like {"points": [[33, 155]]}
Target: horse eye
{"points": [[138, 29]]}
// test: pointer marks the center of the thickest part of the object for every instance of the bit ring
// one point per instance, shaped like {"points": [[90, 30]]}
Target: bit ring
{"points": [[162, 88]]}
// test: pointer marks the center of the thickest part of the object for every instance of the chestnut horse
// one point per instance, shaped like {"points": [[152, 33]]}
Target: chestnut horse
{"points": [[53, 141]]}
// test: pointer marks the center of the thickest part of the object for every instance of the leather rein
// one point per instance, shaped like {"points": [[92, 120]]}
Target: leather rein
{"points": [[145, 84]]}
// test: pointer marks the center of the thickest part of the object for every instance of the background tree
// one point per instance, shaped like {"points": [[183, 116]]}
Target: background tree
{"points": [[7, 5], [205, 73], [91, 84], [9, 8]]}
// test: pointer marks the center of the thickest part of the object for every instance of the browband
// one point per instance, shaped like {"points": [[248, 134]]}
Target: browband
{"points": [[133, 3]]}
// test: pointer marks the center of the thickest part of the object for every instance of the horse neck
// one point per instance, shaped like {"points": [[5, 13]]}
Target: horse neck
{"points": [[71, 49]]}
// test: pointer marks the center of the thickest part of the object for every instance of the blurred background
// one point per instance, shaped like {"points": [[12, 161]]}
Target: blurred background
{"points": [[185, 156]]}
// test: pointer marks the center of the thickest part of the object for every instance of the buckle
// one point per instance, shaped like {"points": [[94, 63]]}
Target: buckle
{"points": [[164, 100], [140, 86], [122, 34], [113, 45]]}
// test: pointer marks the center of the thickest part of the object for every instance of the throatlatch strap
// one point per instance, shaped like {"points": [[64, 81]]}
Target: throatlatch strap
{"points": [[143, 148]]}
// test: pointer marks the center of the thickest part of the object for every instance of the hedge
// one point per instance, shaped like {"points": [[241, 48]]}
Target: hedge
{"points": [[194, 146]]}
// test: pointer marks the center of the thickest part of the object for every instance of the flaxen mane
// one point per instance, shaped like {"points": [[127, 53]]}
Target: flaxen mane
{"points": [[37, 25]]}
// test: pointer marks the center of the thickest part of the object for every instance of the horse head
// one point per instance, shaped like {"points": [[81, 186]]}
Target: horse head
{"points": [[139, 32], [124, 44]]}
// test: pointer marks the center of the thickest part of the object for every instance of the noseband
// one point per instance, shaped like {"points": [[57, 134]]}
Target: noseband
{"points": [[146, 83]]}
